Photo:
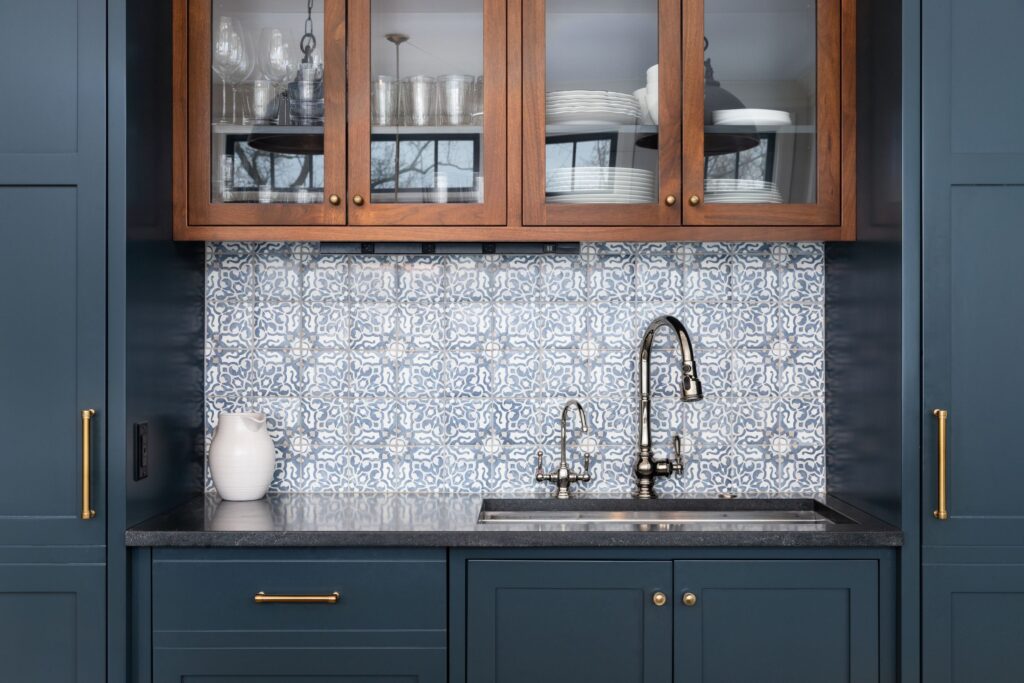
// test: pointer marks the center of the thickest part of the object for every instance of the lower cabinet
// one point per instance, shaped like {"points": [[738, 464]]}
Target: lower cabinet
{"points": [[776, 621], [568, 621], [52, 619], [722, 621], [973, 623], [277, 615]]}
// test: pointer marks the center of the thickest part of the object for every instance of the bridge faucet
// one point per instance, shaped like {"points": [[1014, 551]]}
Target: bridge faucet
{"points": [[647, 468]]}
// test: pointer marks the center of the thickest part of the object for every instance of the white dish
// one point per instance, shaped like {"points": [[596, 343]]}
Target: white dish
{"points": [[593, 118], [609, 199], [603, 170], [751, 117]]}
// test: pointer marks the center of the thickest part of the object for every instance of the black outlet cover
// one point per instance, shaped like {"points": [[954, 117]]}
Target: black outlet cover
{"points": [[141, 451]]}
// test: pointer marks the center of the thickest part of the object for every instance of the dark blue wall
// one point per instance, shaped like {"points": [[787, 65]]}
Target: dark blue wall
{"points": [[863, 298], [165, 296]]}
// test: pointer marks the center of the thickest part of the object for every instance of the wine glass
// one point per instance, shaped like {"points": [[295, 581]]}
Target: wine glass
{"points": [[223, 59], [276, 55], [244, 63]]}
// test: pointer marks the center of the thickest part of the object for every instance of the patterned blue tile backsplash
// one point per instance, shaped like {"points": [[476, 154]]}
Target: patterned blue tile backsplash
{"points": [[448, 373]]}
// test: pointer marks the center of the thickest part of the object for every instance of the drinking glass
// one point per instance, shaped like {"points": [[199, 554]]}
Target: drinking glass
{"points": [[384, 100], [456, 99], [223, 59], [243, 64], [419, 100], [277, 56]]}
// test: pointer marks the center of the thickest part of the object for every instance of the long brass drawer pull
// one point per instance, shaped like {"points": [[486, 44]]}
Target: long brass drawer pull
{"points": [[942, 513], [87, 511], [262, 598]]}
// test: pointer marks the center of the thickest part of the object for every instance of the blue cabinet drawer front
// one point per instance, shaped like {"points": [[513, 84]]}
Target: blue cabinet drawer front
{"points": [[379, 589]]}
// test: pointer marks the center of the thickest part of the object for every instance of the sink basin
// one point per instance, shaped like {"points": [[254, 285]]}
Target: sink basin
{"points": [[663, 513]]}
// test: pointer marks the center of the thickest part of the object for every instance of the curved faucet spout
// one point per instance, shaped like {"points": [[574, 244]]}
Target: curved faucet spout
{"points": [[647, 468], [565, 419]]}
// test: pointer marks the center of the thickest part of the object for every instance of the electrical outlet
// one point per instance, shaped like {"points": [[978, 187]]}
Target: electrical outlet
{"points": [[141, 450]]}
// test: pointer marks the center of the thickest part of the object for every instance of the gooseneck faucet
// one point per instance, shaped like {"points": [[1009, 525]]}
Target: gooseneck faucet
{"points": [[647, 468]]}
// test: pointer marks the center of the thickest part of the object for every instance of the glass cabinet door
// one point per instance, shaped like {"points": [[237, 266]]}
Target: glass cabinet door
{"points": [[762, 127], [602, 102], [266, 112], [427, 112]]}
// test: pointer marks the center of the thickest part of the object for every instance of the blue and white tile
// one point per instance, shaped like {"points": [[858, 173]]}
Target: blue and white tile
{"points": [[423, 327], [421, 279], [518, 325], [372, 374], [372, 326], [516, 279], [277, 322], [468, 374], [230, 323], [471, 325], [564, 279], [659, 278], [613, 279], [516, 374], [278, 275], [327, 325], [277, 373], [422, 375], [373, 279]]}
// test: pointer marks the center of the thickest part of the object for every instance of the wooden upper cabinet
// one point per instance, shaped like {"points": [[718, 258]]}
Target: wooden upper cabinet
{"points": [[427, 113], [594, 154], [515, 120], [265, 153], [769, 115]]}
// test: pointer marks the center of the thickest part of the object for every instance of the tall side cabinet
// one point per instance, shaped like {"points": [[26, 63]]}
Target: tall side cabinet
{"points": [[52, 344], [972, 508]]}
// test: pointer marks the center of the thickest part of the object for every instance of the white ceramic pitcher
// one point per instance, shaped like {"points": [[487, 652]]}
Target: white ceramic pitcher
{"points": [[242, 456]]}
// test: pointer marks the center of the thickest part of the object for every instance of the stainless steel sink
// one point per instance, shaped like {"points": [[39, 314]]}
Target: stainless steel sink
{"points": [[663, 513]]}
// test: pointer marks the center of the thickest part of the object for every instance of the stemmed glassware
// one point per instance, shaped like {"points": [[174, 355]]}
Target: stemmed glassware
{"points": [[278, 57], [225, 54]]}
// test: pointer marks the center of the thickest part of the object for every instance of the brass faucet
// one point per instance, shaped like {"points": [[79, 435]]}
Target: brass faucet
{"points": [[564, 477], [647, 468]]}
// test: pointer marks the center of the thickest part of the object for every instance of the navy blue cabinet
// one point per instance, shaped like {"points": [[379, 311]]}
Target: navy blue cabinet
{"points": [[973, 183], [52, 621], [52, 339], [973, 623], [554, 621], [805, 621], [339, 616]]}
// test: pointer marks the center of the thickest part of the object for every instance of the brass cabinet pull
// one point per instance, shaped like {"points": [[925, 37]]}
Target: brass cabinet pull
{"points": [[262, 598], [670, 200], [358, 200], [335, 200], [87, 511], [942, 514], [695, 200], [659, 599], [689, 599]]}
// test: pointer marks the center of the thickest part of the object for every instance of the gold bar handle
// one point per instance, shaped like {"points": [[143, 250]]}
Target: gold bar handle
{"points": [[262, 598], [87, 511], [942, 514]]}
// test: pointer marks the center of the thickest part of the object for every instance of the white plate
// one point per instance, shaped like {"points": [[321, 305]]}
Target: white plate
{"points": [[751, 117], [598, 200], [578, 171], [727, 183], [593, 118]]}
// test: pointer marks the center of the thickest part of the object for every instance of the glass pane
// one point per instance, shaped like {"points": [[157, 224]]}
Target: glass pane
{"points": [[760, 95], [267, 101], [602, 101], [426, 96]]}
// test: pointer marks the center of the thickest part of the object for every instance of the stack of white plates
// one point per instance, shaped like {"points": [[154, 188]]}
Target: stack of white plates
{"points": [[600, 185], [592, 107], [751, 117], [728, 191]]}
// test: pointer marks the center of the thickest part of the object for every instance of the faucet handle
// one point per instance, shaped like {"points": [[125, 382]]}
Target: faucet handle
{"points": [[677, 463], [540, 467], [585, 477]]}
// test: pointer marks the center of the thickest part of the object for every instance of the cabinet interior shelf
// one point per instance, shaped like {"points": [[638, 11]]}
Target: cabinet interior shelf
{"points": [[243, 129], [758, 130], [426, 130]]}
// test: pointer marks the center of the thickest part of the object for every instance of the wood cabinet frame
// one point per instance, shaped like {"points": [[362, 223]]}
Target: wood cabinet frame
{"points": [[192, 158], [836, 130], [536, 210], [491, 211], [515, 211]]}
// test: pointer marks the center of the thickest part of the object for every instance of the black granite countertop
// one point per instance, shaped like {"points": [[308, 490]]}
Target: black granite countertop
{"points": [[450, 520]]}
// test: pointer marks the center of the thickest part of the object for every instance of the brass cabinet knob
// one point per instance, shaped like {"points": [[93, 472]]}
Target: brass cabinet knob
{"points": [[659, 599], [689, 599], [335, 200], [694, 200], [358, 200], [670, 200]]}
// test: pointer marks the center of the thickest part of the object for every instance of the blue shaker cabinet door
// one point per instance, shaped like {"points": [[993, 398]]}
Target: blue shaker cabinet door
{"points": [[776, 621], [51, 367], [53, 237], [973, 623], [972, 330], [543, 621], [972, 57], [52, 623]]}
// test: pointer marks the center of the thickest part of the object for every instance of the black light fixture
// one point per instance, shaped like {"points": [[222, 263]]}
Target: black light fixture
{"points": [[717, 98]]}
